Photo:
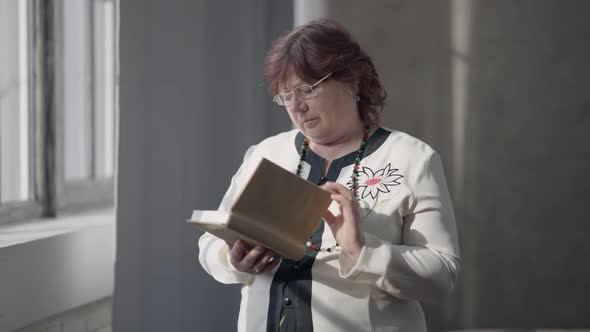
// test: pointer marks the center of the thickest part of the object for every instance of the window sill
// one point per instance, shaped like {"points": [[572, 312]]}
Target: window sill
{"points": [[26, 231], [53, 265]]}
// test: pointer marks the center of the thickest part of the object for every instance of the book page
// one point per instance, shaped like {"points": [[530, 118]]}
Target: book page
{"points": [[209, 217]]}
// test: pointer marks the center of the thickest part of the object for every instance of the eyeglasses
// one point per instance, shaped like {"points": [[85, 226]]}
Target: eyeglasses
{"points": [[303, 91]]}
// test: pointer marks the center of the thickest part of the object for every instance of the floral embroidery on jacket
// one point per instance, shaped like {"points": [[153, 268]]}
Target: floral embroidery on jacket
{"points": [[372, 183]]}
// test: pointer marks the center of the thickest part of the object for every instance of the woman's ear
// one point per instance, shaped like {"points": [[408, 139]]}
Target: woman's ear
{"points": [[354, 88]]}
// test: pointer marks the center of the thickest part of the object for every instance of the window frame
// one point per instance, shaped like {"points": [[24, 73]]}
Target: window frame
{"points": [[51, 194], [78, 195], [32, 208]]}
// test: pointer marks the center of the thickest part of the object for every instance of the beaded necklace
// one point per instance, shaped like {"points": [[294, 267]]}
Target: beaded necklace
{"points": [[354, 177]]}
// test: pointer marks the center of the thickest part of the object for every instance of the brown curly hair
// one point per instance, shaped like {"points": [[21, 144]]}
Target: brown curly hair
{"points": [[318, 48]]}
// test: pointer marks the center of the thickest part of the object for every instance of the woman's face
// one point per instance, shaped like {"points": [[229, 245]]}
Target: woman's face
{"points": [[328, 114]]}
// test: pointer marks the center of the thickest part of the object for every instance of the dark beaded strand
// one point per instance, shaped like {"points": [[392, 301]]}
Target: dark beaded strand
{"points": [[354, 177], [302, 154], [354, 186]]}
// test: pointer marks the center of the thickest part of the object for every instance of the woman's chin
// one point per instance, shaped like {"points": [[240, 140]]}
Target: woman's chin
{"points": [[311, 133]]}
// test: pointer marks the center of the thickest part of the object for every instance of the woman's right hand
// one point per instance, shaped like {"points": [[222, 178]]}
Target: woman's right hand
{"points": [[254, 260]]}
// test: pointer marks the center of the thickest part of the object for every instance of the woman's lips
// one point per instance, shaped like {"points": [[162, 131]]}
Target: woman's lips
{"points": [[311, 121]]}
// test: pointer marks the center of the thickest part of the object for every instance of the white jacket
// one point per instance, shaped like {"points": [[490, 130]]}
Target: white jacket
{"points": [[411, 251]]}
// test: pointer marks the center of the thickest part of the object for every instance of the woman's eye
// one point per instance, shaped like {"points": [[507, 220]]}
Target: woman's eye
{"points": [[305, 90]]}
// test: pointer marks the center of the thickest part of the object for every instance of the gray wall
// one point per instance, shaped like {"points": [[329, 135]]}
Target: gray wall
{"points": [[500, 88], [192, 100], [527, 149]]}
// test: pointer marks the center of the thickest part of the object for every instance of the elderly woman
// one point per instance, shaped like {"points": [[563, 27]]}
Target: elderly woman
{"points": [[389, 238]]}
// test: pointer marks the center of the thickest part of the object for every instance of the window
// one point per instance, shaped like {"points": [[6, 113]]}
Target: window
{"points": [[16, 148], [88, 85], [58, 106], [14, 103]]}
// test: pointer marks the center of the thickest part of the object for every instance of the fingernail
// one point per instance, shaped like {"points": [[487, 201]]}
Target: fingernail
{"points": [[271, 259]]}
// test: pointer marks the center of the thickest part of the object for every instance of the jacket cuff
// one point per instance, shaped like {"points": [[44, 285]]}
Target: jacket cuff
{"points": [[350, 267]]}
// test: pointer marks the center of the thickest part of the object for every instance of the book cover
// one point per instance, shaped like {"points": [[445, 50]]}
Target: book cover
{"points": [[276, 209]]}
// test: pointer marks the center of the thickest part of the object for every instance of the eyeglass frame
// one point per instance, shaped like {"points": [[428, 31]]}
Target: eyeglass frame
{"points": [[279, 100]]}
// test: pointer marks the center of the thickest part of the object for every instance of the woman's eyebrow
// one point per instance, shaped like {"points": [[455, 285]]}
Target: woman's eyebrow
{"points": [[290, 87]]}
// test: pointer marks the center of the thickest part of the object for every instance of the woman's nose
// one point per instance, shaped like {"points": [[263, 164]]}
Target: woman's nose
{"points": [[300, 105]]}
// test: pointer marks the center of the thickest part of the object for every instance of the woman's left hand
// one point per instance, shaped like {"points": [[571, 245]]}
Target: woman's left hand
{"points": [[345, 226]]}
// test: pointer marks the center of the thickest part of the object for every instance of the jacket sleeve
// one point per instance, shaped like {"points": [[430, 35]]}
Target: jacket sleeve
{"points": [[213, 251], [426, 265]]}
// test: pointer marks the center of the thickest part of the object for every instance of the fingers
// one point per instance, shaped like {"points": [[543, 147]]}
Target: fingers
{"points": [[337, 188], [251, 258], [237, 251], [256, 260], [271, 264], [339, 193], [348, 207], [342, 199], [265, 261], [238, 254], [345, 199]]}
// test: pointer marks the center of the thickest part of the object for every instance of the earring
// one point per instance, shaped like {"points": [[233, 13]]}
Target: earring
{"points": [[356, 98]]}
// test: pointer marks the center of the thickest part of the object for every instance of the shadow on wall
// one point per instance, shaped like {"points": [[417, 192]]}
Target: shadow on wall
{"points": [[517, 330], [500, 90], [525, 186]]}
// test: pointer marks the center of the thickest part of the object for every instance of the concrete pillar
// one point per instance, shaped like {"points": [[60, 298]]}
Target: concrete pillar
{"points": [[193, 99]]}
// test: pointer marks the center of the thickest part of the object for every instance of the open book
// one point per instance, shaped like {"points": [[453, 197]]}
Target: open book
{"points": [[276, 209]]}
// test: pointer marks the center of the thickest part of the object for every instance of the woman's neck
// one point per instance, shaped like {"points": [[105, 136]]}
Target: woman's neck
{"points": [[340, 146]]}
